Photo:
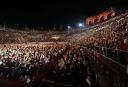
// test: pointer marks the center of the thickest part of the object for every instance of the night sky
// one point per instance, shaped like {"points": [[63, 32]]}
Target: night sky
{"points": [[55, 13]]}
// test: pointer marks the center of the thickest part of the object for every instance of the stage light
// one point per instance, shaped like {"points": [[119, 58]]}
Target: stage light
{"points": [[81, 25], [69, 27]]}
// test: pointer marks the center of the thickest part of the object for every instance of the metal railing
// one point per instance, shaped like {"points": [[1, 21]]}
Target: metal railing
{"points": [[120, 56], [109, 73]]}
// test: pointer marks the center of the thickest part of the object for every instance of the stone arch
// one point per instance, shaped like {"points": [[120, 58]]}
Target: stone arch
{"points": [[102, 19], [109, 16], [96, 21], [90, 22]]}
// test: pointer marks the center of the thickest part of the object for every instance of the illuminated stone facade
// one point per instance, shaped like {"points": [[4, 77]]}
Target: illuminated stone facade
{"points": [[100, 17]]}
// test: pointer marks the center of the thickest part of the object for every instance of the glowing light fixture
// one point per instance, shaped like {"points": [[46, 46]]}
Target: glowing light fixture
{"points": [[81, 25], [56, 37], [69, 27]]}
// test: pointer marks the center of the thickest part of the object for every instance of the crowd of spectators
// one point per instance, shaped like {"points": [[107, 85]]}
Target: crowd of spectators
{"points": [[21, 36], [24, 62], [61, 62], [112, 35], [33, 63]]}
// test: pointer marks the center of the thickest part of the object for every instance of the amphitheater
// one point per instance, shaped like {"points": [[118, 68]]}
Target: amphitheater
{"points": [[93, 57]]}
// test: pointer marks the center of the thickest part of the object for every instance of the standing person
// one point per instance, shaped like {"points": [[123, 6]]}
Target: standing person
{"points": [[76, 75]]}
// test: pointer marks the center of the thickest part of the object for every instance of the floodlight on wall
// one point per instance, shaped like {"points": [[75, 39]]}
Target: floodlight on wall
{"points": [[81, 25]]}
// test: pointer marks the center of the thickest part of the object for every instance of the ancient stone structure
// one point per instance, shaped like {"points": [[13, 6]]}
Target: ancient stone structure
{"points": [[101, 17]]}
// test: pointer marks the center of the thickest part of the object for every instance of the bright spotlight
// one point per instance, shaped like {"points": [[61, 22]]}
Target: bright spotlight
{"points": [[81, 25], [69, 27]]}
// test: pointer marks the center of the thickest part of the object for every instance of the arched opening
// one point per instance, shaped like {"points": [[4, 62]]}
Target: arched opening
{"points": [[96, 21], [90, 22], [102, 19], [109, 16]]}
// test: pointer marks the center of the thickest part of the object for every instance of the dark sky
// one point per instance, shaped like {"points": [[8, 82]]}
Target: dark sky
{"points": [[55, 13]]}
